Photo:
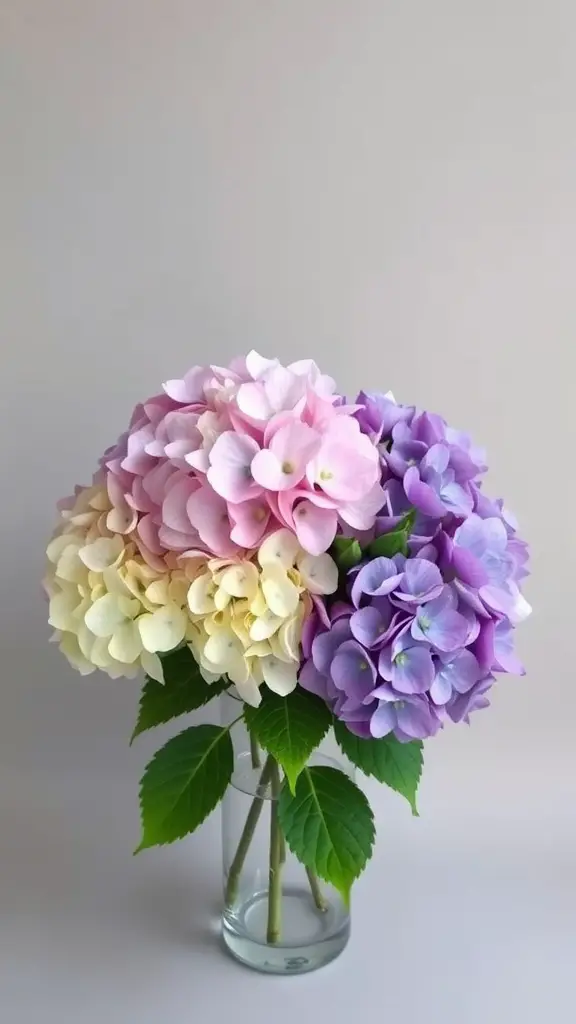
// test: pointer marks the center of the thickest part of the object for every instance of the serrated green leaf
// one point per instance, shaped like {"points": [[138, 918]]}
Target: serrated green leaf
{"points": [[184, 782], [328, 825], [346, 552], [182, 691], [289, 728], [398, 765]]}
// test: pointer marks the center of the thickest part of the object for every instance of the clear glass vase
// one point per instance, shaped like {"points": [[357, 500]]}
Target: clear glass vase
{"points": [[278, 917]]}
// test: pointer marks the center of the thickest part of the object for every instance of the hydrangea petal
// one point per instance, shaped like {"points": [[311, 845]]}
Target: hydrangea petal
{"points": [[58, 545], [369, 625], [383, 720], [282, 466], [163, 629], [319, 573], [413, 670], [258, 366], [253, 402], [238, 671], [62, 607], [421, 495], [70, 647], [437, 458], [353, 671], [258, 604], [444, 628], [126, 643], [70, 566], [312, 680], [209, 514], [281, 594], [422, 581], [250, 520], [152, 666], [105, 615], [280, 548], [376, 579], [325, 644], [249, 690], [230, 460], [102, 553], [174, 511], [315, 526], [265, 625], [416, 720], [240, 580], [441, 689], [288, 638], [221, 648], [281, 677], [201, 595], [505, 658]]}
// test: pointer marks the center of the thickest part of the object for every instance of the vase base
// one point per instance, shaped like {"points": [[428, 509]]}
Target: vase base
{"points": [[310, 938]]}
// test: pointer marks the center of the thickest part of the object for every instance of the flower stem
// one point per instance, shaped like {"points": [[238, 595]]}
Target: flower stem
{"points": [[316, 891], [270, 773], [248, 833], [255, 752], [275, 875]]}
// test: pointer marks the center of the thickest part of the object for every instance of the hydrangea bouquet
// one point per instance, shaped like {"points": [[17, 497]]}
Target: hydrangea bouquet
{"points": [[335, 564]]}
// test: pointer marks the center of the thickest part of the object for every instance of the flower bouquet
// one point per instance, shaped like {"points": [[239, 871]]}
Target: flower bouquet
{"points": [[336, 572]]}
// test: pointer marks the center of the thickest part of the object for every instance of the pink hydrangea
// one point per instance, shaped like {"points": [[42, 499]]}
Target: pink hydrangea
{"points": [[225, 456]]}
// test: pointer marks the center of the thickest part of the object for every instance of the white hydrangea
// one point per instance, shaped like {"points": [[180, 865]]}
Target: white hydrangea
{"points": [[109, 608], [247, 618]]}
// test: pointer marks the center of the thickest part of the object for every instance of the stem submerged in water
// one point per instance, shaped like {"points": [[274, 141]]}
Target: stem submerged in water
{"points": [[255, 752], [248, 834], [270, 776], [316, 891], [274, 928]]}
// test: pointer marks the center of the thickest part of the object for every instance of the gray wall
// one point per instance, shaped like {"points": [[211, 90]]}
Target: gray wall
{"points": [[386, 186]]}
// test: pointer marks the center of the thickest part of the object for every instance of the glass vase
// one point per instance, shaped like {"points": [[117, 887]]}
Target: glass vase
{"points": [[278, 917]]}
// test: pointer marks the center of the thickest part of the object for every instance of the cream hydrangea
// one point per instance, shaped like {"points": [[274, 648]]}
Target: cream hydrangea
{"points": [[109, 608], [246, 618]]}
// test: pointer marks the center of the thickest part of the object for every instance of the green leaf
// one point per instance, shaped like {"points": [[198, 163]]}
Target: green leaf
{"points": [[328, 825], [389, 544], [398, 765], [183, 783], [346, 552], [395, 542], [408, 521], [182, 691], [289, 728]]}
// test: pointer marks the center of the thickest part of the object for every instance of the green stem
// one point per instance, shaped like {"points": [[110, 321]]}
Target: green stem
{"points": [[275, 875], [248, 834], [282, 839], [269, 774], [316, 891], [255, 752]]}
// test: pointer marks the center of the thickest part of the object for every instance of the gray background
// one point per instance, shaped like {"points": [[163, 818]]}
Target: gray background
{"points": [[388, 186]]}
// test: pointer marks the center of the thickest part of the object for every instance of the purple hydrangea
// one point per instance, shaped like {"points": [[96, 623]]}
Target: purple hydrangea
{"points": [[415, 640]]}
